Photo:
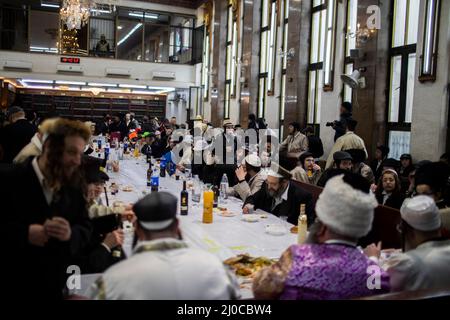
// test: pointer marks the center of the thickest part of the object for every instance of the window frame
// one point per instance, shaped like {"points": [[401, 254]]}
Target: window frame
{"points": [[315, 67], [424, 77], [404, 52]]}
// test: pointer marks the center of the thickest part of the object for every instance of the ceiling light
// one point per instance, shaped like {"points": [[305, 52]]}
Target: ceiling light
{"points": [[100, 11], [132, 86], [76, 83], [37, 81], [49, 5], [142, 92], [95, 84], [40, 87], [165, 89], [137, 26]]}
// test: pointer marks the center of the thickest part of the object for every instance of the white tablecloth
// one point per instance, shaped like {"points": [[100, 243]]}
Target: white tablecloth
{"points": [[225, 237]]}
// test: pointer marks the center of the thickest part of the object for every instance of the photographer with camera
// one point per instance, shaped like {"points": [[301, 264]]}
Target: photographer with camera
{"points": [[339, 126]]}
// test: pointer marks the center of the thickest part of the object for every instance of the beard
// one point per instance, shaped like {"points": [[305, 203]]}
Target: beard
{"points": [[312, 235], [275, 193]]}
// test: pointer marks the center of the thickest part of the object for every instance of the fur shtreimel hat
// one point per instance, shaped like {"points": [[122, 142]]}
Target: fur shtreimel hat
{"points": [[345, 210]]}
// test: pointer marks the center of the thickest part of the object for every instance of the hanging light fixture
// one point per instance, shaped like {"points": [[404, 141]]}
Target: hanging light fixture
{"points": [[75, 13]]}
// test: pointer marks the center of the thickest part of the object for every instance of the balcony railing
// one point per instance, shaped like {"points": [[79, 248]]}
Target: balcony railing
{"points": [[127, 34]]}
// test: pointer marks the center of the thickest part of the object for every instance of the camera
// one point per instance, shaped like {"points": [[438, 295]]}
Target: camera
{"points": [[329, 124]]}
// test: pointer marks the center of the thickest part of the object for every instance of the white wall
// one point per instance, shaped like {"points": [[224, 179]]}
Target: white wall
{"points": [[329, 108], [44, 67], [177, 108], [431, 99]]}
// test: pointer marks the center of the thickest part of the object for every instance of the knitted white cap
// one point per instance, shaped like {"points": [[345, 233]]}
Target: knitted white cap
{"points": [[345, 210], [421, 213], [253, 160]]}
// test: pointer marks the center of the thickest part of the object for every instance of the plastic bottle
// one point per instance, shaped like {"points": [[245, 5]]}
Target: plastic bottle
{"points": [[208, 199], [155, 181], [302, 225], [196, 191], [224, 187]]}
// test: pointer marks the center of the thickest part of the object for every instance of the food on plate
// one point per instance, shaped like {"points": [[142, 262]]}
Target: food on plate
{"points": [[294, 229], [246, 265], [227, 214], [127, 188]]}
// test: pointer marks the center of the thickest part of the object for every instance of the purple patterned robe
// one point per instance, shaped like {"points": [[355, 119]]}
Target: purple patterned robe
{"points": [[330, 271]]}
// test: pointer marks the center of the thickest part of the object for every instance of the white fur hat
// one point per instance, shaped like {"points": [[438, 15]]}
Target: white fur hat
{"points": [[345, 210]]}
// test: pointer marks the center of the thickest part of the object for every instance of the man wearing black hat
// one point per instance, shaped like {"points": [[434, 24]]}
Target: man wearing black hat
{"points": [[16, 135], [104, 248], [358, 165], [342, 160], [295, 143], [307, 170], [281, 197], [381, 154], [432, 179], [162, 266], [345, 114], [405, 170], [118, 125]]}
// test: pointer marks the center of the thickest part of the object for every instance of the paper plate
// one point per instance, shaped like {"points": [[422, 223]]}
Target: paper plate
{"points": [[250, 218], [227, 214], [276, 229]]}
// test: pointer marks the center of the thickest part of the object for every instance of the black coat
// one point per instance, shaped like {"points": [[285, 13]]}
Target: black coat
{"points": [[38, 272], [146, 127], [14, 137], [102, 128], [296, 196], [119, 127], [377, 172], [394, 201], [158, 148], [95, 258]]}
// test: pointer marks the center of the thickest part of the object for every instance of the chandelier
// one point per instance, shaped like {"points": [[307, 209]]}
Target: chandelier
{"points": [[75, 13], [362, 35]]}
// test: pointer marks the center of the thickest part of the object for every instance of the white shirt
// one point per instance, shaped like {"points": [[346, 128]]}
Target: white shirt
{"points": [[426, 267], [284, 196], [48, 193], [171, 272], [385, 196]]}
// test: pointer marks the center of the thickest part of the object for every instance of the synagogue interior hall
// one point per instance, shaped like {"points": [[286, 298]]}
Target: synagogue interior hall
{"points": [[252, 150]]}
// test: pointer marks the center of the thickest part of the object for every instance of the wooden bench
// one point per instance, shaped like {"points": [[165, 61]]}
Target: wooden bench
{"points": [[384, 226], [434, 294]]}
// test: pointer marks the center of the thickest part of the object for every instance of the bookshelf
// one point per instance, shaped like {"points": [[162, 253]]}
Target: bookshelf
{"points": [[87, 107]]}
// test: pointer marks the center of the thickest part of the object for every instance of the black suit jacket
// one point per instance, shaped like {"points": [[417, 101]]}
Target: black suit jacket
{"points": [[394, 201], [39, 271], [103, 128], [16, 136], [290, 208]]}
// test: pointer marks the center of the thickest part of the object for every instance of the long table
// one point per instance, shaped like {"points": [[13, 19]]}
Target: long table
{"points": [[225, 237]]}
